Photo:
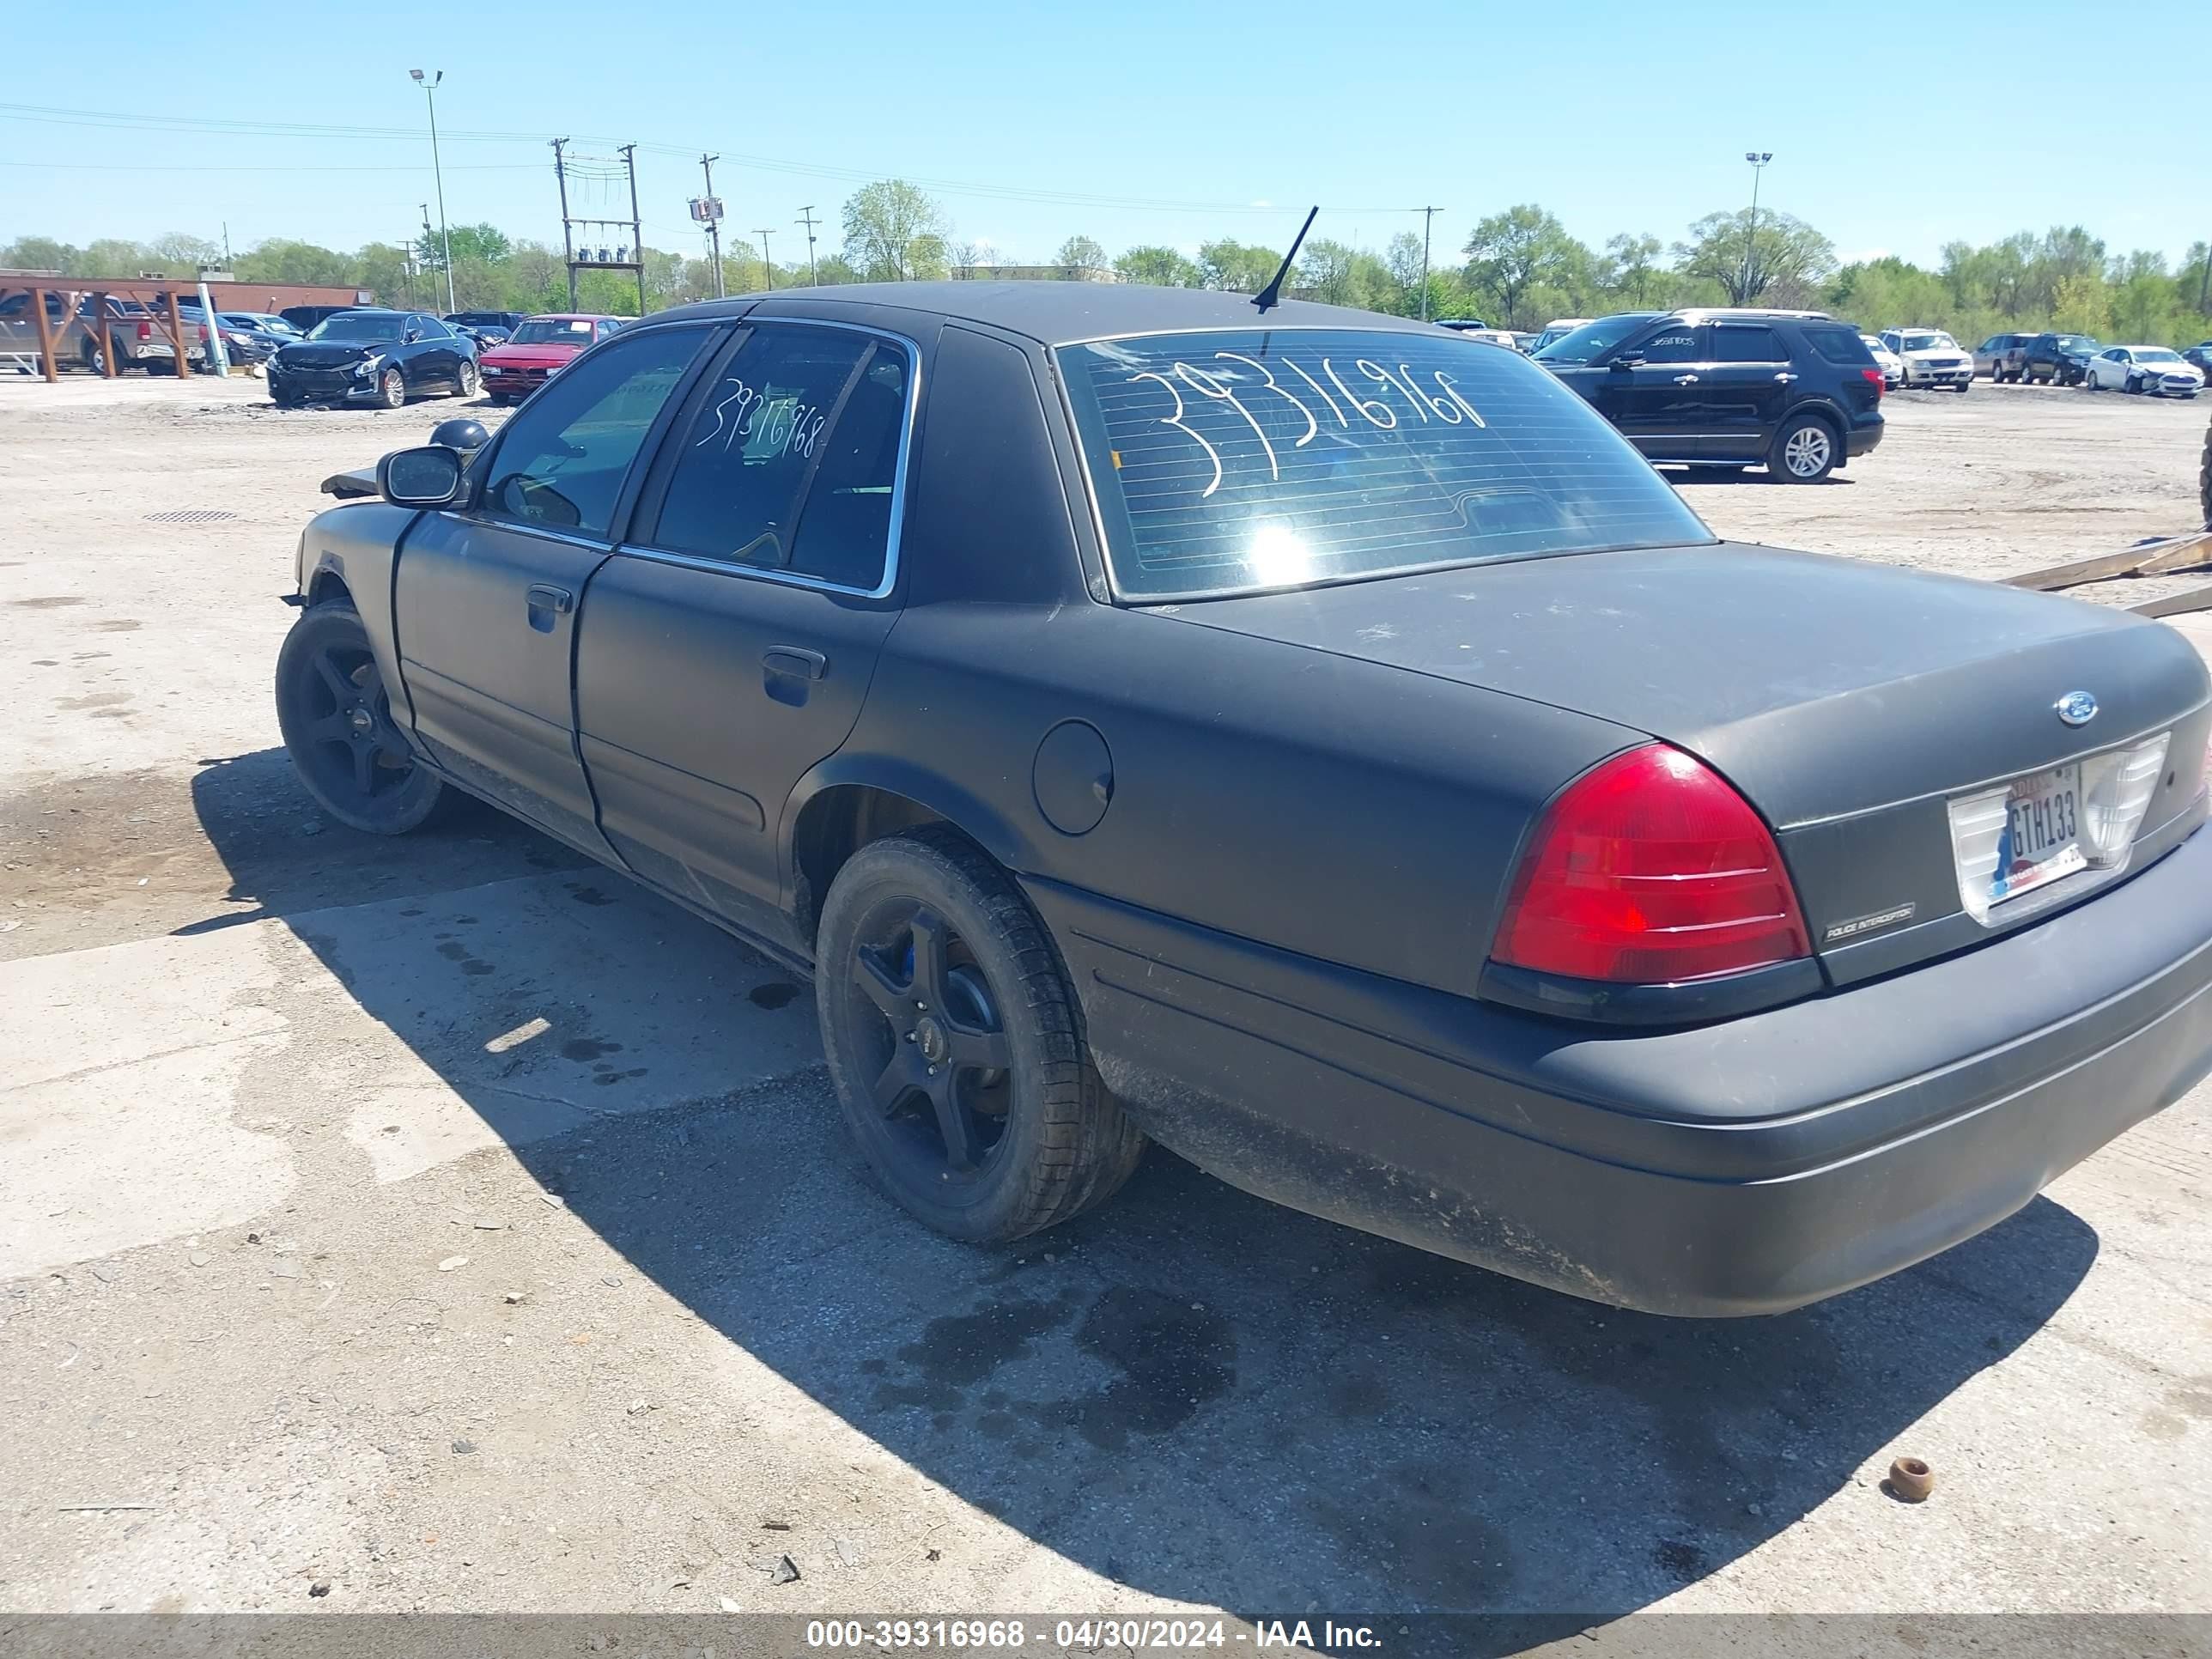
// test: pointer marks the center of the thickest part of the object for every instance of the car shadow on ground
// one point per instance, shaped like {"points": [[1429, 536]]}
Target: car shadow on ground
{"points": [[1192, 1392], [1703, 475]]}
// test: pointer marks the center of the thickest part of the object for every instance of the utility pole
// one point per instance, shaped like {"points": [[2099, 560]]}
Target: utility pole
{"points": [[226, 245], [768, 270], [427, 243], [628, 153], [814, 271], [1428, 219], [714, 210], [568, 230], [1758, 159], [430, 94]]}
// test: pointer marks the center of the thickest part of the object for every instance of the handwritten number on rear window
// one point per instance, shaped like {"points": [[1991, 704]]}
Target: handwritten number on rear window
{"points": [[1176, 420], [1447, 404]]}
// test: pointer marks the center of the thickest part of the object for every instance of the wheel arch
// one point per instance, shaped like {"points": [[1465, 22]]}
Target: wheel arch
{"points": [[848, 802]]}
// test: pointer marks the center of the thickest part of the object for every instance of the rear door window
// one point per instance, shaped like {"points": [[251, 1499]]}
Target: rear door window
{"points": [[1747, 342], [793, 460]]}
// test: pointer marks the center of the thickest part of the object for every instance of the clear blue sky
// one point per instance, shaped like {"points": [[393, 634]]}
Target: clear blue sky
{"points": [[1616, 116]]}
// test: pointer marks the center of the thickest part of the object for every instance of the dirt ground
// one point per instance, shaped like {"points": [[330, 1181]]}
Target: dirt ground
{"points": [[450, 1224]]}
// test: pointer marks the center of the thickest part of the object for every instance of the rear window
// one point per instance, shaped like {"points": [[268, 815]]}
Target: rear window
{"points": [[1241, 460], [1840, 345]]}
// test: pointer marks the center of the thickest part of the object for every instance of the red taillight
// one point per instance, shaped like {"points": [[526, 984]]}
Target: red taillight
{"points": [[1874, 375], [1650, 869], [145, 331]]}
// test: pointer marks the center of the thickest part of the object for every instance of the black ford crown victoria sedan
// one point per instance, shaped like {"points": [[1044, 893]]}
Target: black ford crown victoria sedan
{"points": [[1312, 741]]}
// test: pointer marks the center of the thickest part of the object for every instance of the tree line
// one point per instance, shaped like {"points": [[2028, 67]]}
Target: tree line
{"points": [[1518, 268]]}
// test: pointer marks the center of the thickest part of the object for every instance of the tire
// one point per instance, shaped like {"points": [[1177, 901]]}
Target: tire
{"points": [[391, 389], [335, 716], [467, 382], [500, 400], [1805, 451], [90, 356], [2135, 385], [1039, 1138], [1963, 387]]}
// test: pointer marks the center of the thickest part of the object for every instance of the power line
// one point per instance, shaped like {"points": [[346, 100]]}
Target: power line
{"points": [[128, 121]]}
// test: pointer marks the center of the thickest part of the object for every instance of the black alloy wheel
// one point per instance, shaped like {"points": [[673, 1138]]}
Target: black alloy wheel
{"points": [[336, 720], [955, 1044]]}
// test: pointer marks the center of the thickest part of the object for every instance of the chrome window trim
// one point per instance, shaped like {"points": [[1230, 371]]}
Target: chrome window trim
{"points": [[883, 589]]}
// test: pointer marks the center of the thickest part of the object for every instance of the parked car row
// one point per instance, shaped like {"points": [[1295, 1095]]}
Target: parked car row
{"points": [[372, 354], [2055, 359]]}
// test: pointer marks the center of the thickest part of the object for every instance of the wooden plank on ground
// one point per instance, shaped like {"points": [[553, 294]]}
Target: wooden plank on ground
{"points": [[2176, 604], [2147, 559]]}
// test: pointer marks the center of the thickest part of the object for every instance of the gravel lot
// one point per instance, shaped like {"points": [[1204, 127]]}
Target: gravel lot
{"points": [[326, 1264]]}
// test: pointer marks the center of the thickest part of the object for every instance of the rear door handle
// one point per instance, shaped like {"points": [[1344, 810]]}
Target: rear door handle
{"points": [[795, 660], [1686, 380]]}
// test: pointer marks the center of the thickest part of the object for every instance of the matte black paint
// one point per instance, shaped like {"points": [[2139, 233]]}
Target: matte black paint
{"points": [[1312, 801]]}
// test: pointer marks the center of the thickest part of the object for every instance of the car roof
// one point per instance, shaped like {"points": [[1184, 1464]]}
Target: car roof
{"points": [[583, 316], [1057, 312]]}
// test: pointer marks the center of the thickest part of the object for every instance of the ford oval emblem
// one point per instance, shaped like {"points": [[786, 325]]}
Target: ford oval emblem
{"points": [[2077, 709]]}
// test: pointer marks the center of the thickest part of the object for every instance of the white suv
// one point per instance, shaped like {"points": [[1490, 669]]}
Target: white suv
{"points": [[1931, 358]]}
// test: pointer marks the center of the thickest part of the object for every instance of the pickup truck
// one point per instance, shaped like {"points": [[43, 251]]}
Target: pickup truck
{"points": [[137, 338]]}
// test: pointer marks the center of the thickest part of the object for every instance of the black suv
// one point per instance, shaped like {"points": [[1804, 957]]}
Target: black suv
{"points": [[2060, 359], [1797, 390]]}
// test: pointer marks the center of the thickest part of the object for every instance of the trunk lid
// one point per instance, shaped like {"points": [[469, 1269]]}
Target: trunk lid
{"points": [[1848, 701]]}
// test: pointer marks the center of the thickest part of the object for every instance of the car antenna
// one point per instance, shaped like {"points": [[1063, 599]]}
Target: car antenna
{"points": [[1272, 295]]}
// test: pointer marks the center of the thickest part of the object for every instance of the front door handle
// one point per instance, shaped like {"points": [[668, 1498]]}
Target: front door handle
{"points": [[1785, 377], [795, 660], [1686, 380], [546, 602]]}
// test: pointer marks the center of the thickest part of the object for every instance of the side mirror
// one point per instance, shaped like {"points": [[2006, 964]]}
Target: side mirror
{"points": [[1632, 359], [429, 477]]}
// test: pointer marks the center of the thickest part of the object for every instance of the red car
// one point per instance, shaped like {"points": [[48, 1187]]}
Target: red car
{"points": [[540, 346]]}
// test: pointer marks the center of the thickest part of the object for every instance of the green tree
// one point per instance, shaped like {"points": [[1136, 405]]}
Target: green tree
{"points": [[178, 254], [895, 231], [483, 244], [1161, 266], [110, 256], [1784, 256], [278, 260], [1338, 274], [1236, 267], [2082, 305], [1510, 254], [39, 253], [1081, 252], [1632, 263]]}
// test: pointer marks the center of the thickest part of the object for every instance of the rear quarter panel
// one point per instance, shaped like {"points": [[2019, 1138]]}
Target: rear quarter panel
{"points": [[1344, 810]]}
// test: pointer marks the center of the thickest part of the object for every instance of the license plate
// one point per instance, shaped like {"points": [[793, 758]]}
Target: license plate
{"points": [[2042, 839]]}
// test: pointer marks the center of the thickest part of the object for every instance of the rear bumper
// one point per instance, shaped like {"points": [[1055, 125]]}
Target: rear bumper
{"points": [[1863, 438], [1745, 1167]]}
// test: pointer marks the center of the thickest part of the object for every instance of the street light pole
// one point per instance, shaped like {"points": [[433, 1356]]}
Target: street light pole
{"points": [[1758, 159], [446, 236]]}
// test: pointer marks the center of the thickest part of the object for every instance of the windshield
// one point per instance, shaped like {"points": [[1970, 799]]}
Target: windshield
{"points": [[1240, 459], [1930, 342], [552, 330], [1593, 340], [1873, 345], [2157, 355], [358, 325], [2074, 342]]}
